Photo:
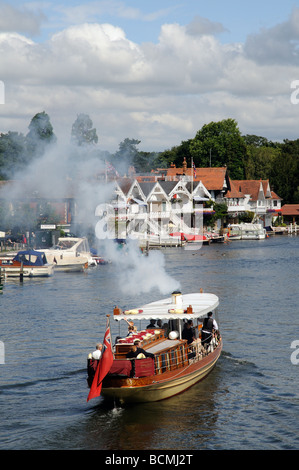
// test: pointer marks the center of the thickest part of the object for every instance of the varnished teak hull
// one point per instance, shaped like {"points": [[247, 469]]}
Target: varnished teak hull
{"points": [[160, 386]]}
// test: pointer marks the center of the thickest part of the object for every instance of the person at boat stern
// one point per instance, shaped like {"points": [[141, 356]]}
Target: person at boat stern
{"points": [[98, 351], [208, 327]]}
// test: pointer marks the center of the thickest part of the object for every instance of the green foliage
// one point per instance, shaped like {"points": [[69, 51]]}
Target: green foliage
{"points": [[13, 156], [215, 144], [40, 135], [126, 155], [259, 161], [82, 131], [246, 217], [220, 144], [220, 212], [176, 155], [285, 172]]}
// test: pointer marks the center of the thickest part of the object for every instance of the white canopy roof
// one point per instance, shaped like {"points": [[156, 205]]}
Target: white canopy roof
{"points": [[201, 303]]}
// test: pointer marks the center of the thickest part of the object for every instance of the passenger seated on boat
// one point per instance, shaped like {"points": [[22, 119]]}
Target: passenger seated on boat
{"points": [[208, 328], [188, 332], [151, 325], [136, 350], [131, 331], [131, 325]]}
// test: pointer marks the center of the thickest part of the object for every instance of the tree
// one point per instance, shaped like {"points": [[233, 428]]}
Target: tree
{"points": [[82, 131], [220, 144], [40, 135], [125, 156], [144, 161], [13, 156], [285, 172], [259, 162], [220, 212], [176, 154]]}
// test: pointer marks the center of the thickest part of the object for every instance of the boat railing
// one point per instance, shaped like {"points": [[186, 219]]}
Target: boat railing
{"points": [[171, 355], [171, 359], [183, 355]]}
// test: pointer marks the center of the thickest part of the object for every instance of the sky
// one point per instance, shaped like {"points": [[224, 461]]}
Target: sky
{"points": [[154, 71]]}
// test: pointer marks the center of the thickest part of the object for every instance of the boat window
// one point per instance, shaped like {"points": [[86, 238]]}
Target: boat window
{"points": [[32, 258], [181, 355], [164, 362], [173, 357]]}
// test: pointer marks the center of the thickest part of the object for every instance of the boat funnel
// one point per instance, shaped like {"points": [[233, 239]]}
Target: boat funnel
{"points": [[177, 299]]}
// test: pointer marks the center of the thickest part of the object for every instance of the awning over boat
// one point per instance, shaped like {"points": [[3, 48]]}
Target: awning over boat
{"points": [[201, 304], [31, 258]]}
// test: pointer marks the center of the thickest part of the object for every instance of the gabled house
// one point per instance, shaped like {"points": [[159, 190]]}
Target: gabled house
{"points": [[253, 196], [214, 179], [290, 213]]}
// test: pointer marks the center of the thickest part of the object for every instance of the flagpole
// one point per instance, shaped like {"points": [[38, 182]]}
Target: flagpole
{"points": [[108, 317], [192, 212]]}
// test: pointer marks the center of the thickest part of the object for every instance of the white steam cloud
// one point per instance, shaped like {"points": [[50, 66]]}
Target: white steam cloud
{"points": [[68, 171], [138, 273]]}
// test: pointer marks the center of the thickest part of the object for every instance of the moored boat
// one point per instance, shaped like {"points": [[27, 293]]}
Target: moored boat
{"points": [[246, 231], [70, 254], [26, 263], [167, 363]]}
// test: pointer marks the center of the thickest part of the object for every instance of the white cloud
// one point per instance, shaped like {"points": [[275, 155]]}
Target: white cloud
{"points": [[22, 20], [159, 93], [276, 45], [200, 26]]}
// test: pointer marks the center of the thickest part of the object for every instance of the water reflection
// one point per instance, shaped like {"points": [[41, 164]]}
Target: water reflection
{"points": [[186, 421]]}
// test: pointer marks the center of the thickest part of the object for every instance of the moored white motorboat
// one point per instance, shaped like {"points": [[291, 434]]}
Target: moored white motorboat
{"points": [[246, 231], [70, 254], [176, 364]]}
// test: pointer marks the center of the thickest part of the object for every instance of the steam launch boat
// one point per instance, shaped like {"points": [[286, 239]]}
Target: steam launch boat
{"points": [[158, 361]]}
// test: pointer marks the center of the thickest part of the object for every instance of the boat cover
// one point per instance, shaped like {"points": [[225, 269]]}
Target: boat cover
{"points": [[31, 258], [121, 367], [201, 303], [144, 367]]}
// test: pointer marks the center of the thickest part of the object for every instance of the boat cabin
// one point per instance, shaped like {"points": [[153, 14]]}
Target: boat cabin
{"points": [[166, 341]]}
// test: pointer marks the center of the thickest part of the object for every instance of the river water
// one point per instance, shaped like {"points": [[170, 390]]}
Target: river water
{"points": [[249, 401]]}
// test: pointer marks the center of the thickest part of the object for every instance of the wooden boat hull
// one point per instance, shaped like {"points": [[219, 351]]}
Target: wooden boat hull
{"points": [[162, 386]]}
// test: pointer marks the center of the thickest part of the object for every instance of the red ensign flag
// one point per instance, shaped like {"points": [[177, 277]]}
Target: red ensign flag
{"points": [[104, 366]]}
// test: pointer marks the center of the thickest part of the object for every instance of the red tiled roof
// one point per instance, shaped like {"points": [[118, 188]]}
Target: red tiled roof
{"points": [[251, 187], [274, 195], [290, 209], [212, 178], [234, 191]]}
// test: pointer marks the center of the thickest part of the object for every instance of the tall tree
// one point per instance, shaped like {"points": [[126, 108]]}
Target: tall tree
{"points": [[40, 134], [126, 154], [82, 131], [259, 162], [219, 144], [285, 172], [13, 156], [176, 154]]}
